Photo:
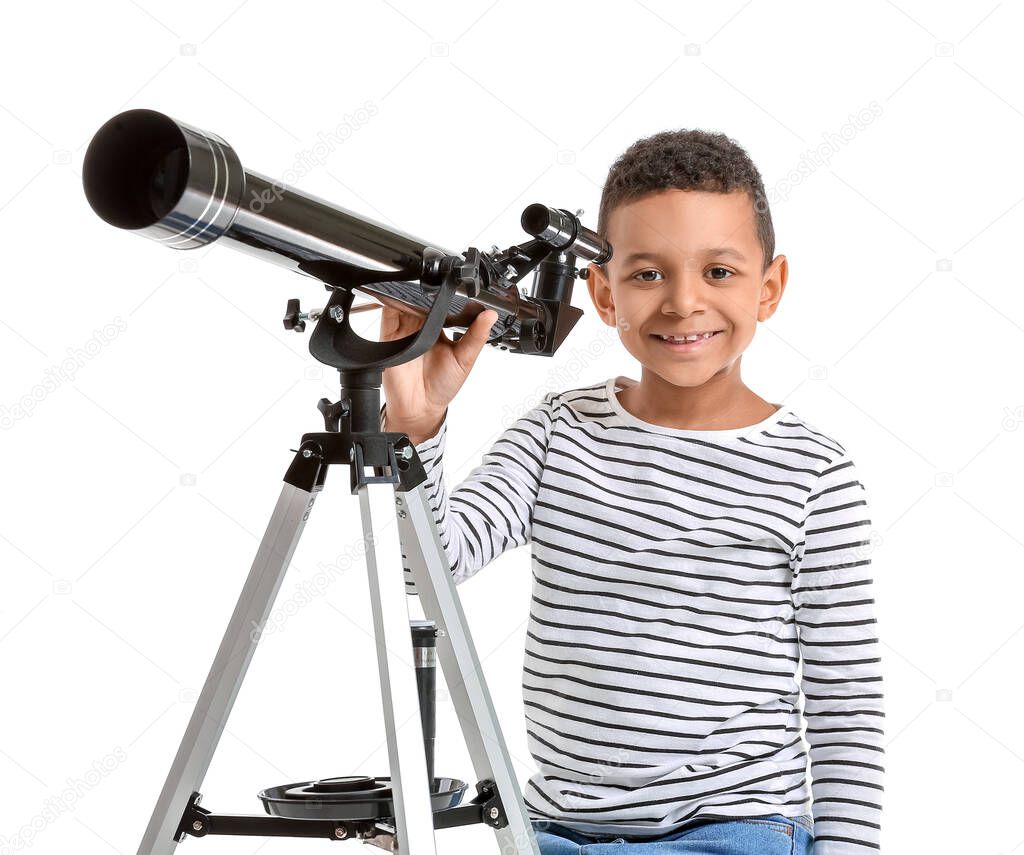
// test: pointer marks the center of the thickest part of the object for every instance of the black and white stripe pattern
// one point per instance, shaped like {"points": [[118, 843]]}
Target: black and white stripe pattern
{"points": [[679, 579]]}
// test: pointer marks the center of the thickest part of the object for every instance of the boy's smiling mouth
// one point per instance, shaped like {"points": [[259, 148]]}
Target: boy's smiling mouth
{"points": [[686, 342]]}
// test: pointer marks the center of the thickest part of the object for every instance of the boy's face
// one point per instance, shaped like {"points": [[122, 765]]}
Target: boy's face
{"points": [[686, 261]]}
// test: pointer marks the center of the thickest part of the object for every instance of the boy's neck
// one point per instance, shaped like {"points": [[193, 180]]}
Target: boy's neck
{"points": [[723, 403]]}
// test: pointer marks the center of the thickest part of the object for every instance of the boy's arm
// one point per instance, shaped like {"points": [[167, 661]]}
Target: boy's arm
{"points": [[491, 510], [839, 648]]}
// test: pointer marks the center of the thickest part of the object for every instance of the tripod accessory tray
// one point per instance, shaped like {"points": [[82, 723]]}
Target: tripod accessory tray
{"points": [[352, 798]]}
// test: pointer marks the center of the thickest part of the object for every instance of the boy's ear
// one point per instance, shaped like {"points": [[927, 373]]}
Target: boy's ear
{"points": [[772, 286], [601, 293]]}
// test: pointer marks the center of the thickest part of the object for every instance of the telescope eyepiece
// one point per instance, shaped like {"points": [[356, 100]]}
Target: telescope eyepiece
{"points": [[563, 230]]}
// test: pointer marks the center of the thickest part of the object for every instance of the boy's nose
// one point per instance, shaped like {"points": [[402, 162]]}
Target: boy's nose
{"points": [[684, 294]]}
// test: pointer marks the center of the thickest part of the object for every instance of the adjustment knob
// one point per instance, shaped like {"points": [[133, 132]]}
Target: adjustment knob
{"points": [[293, 317], [468, 272]]}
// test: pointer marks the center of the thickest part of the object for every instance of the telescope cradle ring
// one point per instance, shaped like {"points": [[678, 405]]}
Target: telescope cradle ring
{"points": [[334, 342]]}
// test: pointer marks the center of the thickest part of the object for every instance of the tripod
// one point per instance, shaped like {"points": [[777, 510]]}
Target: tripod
{"points": [[402, 816], [399, 812]]}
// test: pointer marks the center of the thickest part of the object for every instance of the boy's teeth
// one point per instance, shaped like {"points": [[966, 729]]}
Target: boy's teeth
{"points": [[685, 338]]}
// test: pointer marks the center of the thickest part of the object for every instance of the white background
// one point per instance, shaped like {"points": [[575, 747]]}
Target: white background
{"points": [[137, 488]]}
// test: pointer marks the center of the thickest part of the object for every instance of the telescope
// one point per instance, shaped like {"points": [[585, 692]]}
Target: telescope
{"points": [[185, 188]]}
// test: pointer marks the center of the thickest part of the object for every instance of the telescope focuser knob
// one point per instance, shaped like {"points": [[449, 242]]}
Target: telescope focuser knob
{"points": [[295, 318]]}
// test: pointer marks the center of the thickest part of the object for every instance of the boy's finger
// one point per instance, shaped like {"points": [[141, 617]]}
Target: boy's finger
{"points": [[390, 320], [468, 348]]}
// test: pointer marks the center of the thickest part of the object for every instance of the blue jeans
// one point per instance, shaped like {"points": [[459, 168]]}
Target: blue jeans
{"points": [[763, 835]]}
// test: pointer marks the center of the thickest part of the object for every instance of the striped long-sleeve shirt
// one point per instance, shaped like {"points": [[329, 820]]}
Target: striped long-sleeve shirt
{"points": [[680, 577]]}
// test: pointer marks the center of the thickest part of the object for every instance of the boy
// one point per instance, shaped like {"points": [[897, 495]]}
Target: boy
{"points": [[691, 544]]}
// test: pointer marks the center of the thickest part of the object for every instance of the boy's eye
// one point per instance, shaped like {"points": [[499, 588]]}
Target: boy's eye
{"points": [[652, 275], [644, 272]]}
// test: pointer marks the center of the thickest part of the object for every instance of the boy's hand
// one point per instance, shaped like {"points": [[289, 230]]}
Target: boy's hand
{"points": [[417, 393]]}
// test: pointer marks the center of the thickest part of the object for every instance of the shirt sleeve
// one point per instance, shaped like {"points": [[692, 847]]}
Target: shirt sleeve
{"points": [[491, 510], [839, 649]]}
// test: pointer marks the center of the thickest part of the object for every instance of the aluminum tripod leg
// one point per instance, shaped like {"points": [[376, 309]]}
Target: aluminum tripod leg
{"points": [[410, 790], [425, 557], [228, 669]]}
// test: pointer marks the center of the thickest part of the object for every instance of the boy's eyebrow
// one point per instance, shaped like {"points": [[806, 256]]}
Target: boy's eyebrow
{"points": [[708, 250]]}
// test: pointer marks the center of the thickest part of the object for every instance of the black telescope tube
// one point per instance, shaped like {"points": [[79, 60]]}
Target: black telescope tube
{"points": [[185, 188]]}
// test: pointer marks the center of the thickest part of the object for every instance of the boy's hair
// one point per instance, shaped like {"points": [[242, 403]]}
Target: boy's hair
{"points": [[687, 160]]}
